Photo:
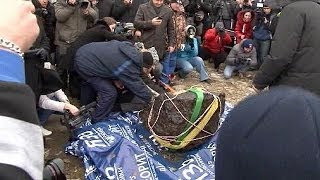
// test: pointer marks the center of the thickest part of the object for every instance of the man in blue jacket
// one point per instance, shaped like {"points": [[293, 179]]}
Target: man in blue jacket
{"points": [[110, 66]]}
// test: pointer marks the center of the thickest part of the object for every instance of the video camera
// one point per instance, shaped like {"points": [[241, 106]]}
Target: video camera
{"points": [[125, 29], [74, 122], [83, 3], [259, 12]]}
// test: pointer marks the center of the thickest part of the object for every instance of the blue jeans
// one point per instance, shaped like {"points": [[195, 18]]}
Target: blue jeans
{"points": [[228, 70], [186, 66], [262, 48], [169, 65]]}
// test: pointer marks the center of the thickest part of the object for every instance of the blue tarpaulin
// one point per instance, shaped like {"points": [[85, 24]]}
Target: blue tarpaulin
{"points": [[122, 148]]}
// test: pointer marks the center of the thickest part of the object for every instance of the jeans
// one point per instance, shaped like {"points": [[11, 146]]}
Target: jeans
{"points": [[186, 66], [169, 63], [262, 48], [230, 69]]}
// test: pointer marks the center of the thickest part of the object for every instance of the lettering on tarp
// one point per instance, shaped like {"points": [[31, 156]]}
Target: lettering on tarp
{"points": [[91, 139], [160, 167], [192, 171], [148, 145], [144, 167], [108, 139]]}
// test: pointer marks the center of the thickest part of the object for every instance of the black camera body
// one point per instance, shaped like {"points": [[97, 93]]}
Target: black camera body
{"points": [[83, 3], [74, 122], [125, 29], [42, 12]]}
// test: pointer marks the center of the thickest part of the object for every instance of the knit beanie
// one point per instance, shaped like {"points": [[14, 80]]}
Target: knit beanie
{"points": [[247, 43], [147, 59], [273, 135]]}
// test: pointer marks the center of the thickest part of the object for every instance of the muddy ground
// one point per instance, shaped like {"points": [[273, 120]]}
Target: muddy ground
{"points": [[235, 89]]}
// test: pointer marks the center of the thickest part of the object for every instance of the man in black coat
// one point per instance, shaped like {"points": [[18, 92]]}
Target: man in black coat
{"points": [[108, 66], [125, 10], [295, 49]]}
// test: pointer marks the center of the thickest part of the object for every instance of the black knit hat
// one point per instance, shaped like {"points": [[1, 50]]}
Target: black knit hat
{"points": [[147, 59], [274, 135]]}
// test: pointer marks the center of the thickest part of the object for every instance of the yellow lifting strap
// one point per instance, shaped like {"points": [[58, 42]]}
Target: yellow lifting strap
{"points": [[204, 121]]}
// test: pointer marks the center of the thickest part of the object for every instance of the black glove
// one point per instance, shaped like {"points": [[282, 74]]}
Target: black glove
{"points": [[43, 54], [238, 61]]}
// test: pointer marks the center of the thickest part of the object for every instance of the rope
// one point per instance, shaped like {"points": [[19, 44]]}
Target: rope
{"points": [[193, 124]]}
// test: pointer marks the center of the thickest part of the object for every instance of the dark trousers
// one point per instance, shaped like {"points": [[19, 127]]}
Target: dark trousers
{"points": [[215, 58], [107, 96]]}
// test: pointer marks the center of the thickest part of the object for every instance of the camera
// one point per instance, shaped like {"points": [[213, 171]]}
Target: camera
{"points": [[125, 29], [42, 12], [198, 16], [83, 3]]}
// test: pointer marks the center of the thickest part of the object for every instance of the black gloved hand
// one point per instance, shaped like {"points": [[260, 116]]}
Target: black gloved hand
{"points": [[43, 54], [238, 61]]}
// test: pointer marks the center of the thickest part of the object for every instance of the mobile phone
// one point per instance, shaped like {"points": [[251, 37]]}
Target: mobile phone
{"points": [[159, 18]]}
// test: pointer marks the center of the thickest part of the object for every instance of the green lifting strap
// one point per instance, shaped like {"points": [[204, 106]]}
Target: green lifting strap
{"points": [[196, 111]]}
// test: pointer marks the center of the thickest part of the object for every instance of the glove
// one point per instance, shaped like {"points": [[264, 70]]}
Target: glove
{"points": [[238, 60], [43, 54]]}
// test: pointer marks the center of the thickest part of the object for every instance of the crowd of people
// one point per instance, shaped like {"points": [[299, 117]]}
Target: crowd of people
{"points": [[114, 52]]}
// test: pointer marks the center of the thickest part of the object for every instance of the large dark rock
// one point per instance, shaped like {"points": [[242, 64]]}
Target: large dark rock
{"points": [[171, 123]]}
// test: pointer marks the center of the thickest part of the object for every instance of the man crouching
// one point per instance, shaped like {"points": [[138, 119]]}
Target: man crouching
{"points": [[110, 66]]}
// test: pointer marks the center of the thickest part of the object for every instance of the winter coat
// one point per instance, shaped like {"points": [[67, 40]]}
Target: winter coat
{"points": [[243, 28], [99, 33], [214, 42], [125, 13], [295, 49], [189, 51], [42, 40], [105, 8], [261, 30], [71, 22], [160, 36], [113, 60], [237, 52]]}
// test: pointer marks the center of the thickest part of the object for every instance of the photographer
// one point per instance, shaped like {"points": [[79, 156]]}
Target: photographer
{"points": [[125, 10], [46, 11], [215, 40], [42, 43], [241, 57], [187, 57], [225, 11], [72, 19], [198, 14], [261, 33]]}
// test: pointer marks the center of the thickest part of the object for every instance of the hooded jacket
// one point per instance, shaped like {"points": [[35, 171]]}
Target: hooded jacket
{"points": [[295, 49], [113, 60], [215, 42], [243, 28]]}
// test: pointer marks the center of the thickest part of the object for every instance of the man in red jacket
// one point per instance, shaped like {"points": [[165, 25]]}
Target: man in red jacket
{"points": [[215, 40]]}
